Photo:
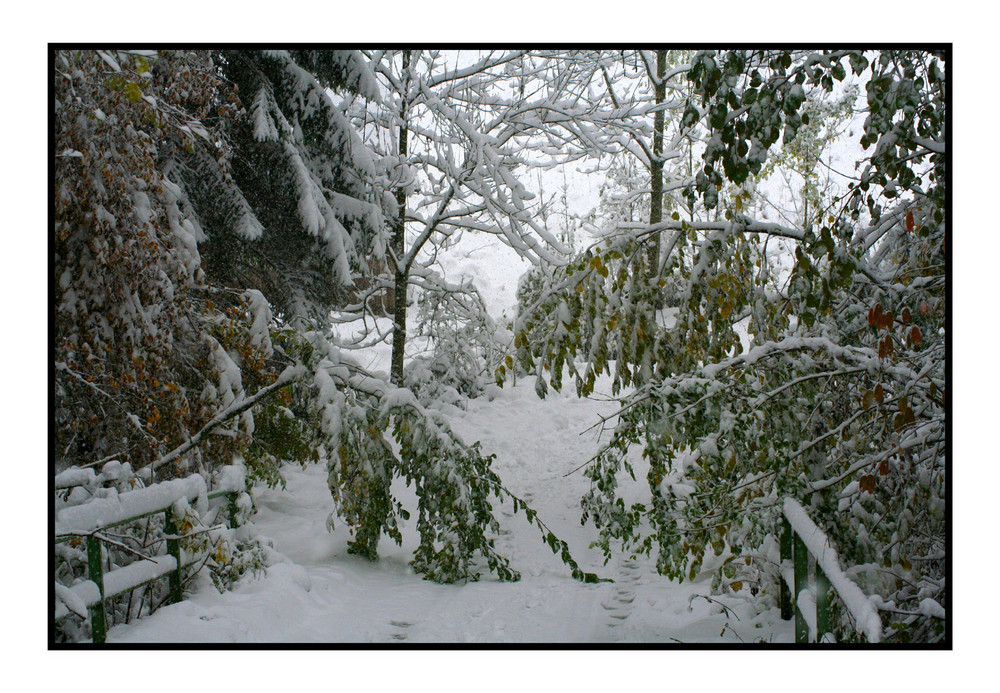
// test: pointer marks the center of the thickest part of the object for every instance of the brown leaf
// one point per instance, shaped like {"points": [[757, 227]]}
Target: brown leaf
{"points": [[879, 393], [905, 316], [867, 483], [915, 336], [866, 401], [883, 468]]}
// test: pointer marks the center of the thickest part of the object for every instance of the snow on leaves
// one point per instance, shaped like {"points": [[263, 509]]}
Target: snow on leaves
{"points": [[839, 398]]}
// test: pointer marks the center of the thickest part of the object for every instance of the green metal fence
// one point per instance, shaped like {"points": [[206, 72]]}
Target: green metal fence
{"points": [[101, 586], [804, 548]]}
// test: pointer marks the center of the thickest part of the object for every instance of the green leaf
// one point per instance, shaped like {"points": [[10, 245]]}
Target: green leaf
{"points": [[133, 93]]}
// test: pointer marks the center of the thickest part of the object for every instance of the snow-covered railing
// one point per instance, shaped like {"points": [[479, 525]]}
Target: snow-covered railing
{"points": [[801, 540], [86, 521]]}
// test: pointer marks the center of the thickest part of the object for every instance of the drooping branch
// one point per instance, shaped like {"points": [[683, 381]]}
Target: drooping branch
{"points": [[287, 377]]}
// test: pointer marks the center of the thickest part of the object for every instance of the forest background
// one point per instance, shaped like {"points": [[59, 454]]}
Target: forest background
{"points": [[971, 294]]}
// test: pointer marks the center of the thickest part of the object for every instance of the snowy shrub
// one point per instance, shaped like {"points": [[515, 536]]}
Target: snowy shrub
{"points": [[464, 345], [125, 256], [227, 553]]}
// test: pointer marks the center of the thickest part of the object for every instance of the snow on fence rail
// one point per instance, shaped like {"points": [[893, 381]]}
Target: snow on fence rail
{"points": [[88, 519], [801, 538]]}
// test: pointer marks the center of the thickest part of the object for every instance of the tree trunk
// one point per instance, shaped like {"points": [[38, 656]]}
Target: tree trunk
{"points": [[656, 164], [399, 244]]}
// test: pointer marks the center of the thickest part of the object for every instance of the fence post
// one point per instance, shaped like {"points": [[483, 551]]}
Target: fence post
{"points": [[95, 561], [801, 561], [822, 603], [174, 549], [786, 555], [231, 497]]}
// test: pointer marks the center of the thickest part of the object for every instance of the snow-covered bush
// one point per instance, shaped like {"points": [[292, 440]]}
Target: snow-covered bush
{"points": [[125, 257], [227, 553], [464, 344]]}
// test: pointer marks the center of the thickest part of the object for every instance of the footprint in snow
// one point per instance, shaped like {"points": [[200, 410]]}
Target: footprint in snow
{"points": [[618, 603], [401, 628]]}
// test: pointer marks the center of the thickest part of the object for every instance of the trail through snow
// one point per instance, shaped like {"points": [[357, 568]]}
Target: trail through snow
{"points": [[323, 595]]}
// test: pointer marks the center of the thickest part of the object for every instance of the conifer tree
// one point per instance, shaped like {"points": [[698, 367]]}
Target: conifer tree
{"points": [[301, 218]]}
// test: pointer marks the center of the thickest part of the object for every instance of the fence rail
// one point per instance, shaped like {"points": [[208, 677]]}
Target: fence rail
{"points": [[803, 543], [87, 520]]}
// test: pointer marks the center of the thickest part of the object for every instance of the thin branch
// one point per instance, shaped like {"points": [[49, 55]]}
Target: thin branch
{"points": [[288, 376]]}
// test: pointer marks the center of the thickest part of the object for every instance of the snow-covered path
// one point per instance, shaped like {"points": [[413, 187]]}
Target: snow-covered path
{"points": [[323, 595]]}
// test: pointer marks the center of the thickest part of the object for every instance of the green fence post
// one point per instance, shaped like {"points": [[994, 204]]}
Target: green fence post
{"points": [[801, 561], [786, 555], [98, 616], [231, 497], [822, 603], [174, 549]]}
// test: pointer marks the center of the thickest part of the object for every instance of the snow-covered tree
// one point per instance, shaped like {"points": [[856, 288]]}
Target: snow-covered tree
{"points": [[136, 366], [292, 211], [835, 395], [183, 220], [125, 254], [449, 130]]}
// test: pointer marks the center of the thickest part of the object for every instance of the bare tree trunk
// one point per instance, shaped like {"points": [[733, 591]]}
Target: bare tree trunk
{"points": [[399, 245]]}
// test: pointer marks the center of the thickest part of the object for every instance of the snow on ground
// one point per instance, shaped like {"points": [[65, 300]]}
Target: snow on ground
{"points": [[323, 595]]}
